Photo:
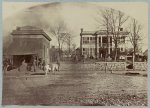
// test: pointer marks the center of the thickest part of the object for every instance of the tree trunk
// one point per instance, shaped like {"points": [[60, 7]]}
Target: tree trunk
{"points": [[115, 54], [59, 49], [115, 51], [134, 52]]}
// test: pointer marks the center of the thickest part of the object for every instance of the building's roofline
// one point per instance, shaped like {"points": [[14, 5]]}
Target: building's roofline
{"points": [[88, 33], [101, 32], [27, 30]]}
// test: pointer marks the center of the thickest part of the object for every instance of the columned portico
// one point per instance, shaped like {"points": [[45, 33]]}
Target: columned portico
{"points": [[97, 43]]}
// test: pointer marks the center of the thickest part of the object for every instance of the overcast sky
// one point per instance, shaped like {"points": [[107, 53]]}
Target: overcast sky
{"points": [[138, 10]]}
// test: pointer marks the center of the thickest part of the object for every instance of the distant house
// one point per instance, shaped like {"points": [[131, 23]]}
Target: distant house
{"points": [[145, 54], [28, 41], [96, 43]]}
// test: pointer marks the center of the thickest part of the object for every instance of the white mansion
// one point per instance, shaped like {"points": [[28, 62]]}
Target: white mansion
{"points": [[97, 43]]}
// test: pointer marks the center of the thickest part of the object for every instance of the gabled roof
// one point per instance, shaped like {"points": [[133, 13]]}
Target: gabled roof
{"points": [[30, 30]]}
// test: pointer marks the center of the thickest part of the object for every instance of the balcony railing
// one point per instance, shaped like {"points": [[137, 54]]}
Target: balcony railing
{"points": [[104, 45]]}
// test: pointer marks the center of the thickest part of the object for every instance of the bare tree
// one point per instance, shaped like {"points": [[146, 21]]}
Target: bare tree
{"points": [[135, 34], [112, 20], [117, 19], [57, 30], [74, 46], [68, 42], [105, 23], [63, 40]]}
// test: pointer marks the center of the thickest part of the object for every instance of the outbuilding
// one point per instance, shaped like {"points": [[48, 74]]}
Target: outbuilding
{"points": [[27, 42]]}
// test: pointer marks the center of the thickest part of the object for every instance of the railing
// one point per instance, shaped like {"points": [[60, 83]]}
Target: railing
{"points": [[104, 45]]}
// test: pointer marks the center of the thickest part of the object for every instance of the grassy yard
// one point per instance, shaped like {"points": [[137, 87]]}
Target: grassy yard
{"points": [[75, 88]]}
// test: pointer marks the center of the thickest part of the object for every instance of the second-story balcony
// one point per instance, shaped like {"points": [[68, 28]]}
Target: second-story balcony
{"points": [[105, 45]]}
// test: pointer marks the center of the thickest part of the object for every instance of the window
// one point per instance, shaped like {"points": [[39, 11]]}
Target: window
{"points": [[86, 51], [85, 40], [104, 39], [92, 39], [121, 49], [121, 39]]}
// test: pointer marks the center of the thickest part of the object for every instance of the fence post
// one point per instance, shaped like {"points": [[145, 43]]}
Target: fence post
{"points": [[133, 61], [105, 67], [125, 62]]}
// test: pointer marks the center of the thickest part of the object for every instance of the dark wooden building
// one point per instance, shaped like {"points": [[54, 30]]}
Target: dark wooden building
{"points": [[27, 42]]}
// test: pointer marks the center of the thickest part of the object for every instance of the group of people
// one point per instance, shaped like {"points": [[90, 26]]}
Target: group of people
{"points": [[6, 64], [41, 64], [33, 64], [36, 63]]}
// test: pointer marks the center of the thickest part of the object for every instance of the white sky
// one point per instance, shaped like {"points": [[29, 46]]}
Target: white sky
{"points": [[138, 10]]}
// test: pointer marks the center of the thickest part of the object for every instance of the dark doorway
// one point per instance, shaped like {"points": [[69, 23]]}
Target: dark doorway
{"points": [[17, 59], [102, 52]]}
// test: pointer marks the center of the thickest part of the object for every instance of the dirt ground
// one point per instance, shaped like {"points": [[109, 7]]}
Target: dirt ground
{"points": [[74, 88]]}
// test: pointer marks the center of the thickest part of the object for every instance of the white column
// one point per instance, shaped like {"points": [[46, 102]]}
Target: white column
{"points": [[97, 46], [101, 41]]}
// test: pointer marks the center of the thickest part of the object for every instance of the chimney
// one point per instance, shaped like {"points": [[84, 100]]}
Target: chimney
{"points": [[18, 28], [81, 30]]}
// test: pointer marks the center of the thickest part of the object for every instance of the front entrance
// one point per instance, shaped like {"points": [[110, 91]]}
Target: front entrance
{"points": [[102, 53]]}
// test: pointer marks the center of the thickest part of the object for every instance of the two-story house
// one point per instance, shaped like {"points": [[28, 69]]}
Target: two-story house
{"points": [[100, 44]]}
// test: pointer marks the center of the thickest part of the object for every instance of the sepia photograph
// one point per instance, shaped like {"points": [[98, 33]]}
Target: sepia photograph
{"points": [[75, 53]]}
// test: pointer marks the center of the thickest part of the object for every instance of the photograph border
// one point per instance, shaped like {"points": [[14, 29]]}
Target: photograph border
{"points": [[1, 51]]}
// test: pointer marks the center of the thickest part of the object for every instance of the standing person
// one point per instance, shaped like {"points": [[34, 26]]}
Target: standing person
{"points": [[40, 63], [34, 63], [76, 58], [5, 65], [43, 65]]}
